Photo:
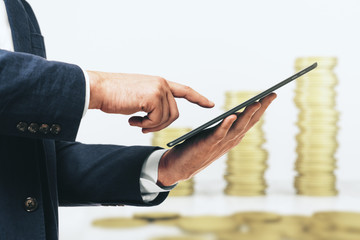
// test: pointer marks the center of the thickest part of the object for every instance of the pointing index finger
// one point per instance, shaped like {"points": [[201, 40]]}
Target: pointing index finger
{"points": [[182, 91]]}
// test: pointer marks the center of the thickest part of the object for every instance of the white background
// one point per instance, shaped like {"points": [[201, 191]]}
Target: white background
{"points": [[214, 46]]}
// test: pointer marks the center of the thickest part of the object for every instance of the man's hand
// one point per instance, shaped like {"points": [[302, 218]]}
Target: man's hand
{"points": [[131, 93], [186, 159]]}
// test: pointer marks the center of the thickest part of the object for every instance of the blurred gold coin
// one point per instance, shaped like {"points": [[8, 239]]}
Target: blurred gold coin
{"points": [[152, 216], [256, 216], [181, 237], [243, 193], [207, 224], [248, 151], [324, 62], [317, 168], [337, 235], [118, 222], [249, 236], [305, 151], [168, 222], [181, 192], [322, 193], [313, 79], [247, 167], [349, 221], [304, 104]]}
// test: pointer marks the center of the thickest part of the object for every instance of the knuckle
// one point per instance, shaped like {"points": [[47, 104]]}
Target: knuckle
{"points": [[188, 89], [161, 81], [157, 93], [218, 137], [176, 115]]}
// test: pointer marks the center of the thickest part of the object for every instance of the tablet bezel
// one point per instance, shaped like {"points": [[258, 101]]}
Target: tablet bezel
{"points": [[240, 106]]}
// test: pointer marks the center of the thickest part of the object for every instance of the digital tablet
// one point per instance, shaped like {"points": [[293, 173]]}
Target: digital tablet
{"points": [[242, 105]]}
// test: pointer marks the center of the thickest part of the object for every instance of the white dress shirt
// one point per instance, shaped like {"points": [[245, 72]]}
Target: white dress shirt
{"points": [[148, 178]]}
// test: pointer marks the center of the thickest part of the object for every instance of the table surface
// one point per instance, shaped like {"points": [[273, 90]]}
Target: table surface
{"points": [[75, 222]]}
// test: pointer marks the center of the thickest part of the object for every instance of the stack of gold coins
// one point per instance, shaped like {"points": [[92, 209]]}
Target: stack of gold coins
{"points": [[246, 163], [161, 138], [317, 121]]}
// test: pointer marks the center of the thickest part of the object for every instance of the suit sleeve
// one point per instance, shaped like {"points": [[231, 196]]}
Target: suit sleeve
{"points": [[40, 98], [101, 174]]}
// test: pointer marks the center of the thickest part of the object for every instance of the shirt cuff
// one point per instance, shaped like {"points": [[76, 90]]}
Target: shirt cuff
{"points": [[149, 176], [87, 92]]}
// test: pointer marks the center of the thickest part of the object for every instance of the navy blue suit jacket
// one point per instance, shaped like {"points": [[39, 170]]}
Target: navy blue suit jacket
{"points": [[41, 167]]}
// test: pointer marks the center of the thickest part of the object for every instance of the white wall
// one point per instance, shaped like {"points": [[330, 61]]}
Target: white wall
{"points": [[213, 46]]}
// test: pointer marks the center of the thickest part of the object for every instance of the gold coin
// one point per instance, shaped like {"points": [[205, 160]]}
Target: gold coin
{"points": [[301, 168], [254, 185], [245, 173], [319, 112], [118, 222], [316, 96], [248, 151], [308, 151], [319, 176], [244, 188], [305, 86], [188, 182], [349, 221], [317, 140], [181, 192], [316, 137], [153, 216], [207, 224], [170, 222], [317, 78], [337, 235], [302, 104], [325, 186], [249, 236], [248, 175], [327, 63], [320, 162], [315, 144], [256, 216], [247, 166], [317, 129], [309, 192], [289, 227], [184, 237], [244, 193], [254, 141]]}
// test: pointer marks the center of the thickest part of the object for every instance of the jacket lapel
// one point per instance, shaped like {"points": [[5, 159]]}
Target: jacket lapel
{"points": [[19, 24]]}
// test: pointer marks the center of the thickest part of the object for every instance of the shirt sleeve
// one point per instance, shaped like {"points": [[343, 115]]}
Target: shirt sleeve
{"points": [[149, 175], [87, 91]]}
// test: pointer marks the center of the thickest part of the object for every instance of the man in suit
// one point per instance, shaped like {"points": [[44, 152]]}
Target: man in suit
{"points": [[41, 106]]}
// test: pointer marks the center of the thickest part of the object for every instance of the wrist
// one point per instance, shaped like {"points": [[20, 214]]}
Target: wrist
{"points": [[166, 174], [95, 81]]}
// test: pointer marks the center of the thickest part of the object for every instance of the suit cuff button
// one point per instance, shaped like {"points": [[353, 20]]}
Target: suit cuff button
{"points": [[33, 128], [55, 129], [44, 128], [22, 126], [30, 204]]}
